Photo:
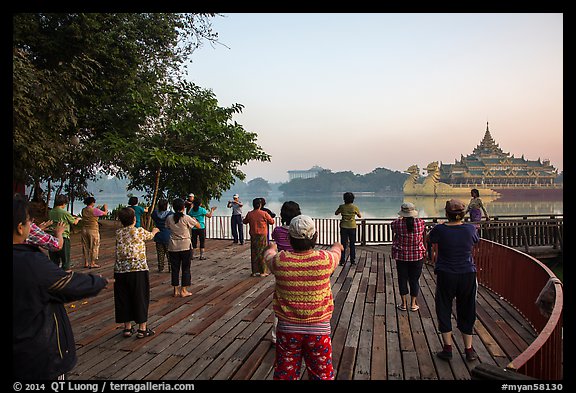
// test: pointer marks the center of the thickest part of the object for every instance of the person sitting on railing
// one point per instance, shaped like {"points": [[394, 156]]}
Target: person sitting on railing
{"points": [[455, 277], [476, 207]]}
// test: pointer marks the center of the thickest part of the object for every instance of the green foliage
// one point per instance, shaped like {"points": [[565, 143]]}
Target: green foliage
{"points": [[195, 146], [89, 75], [259, 186], [114, 81]]}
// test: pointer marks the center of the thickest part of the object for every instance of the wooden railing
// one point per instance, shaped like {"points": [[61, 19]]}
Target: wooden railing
{"points": [[519, 278], [514, 231], [512, 274]]}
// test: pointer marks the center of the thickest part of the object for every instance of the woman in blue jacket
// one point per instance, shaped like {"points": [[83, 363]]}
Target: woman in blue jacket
{"points": [[162, 238]]}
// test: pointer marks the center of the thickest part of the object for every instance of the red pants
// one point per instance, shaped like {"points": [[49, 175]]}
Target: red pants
{"points": [[316, 350]]}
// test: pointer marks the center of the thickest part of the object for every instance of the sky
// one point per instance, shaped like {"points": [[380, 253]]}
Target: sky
{"points": [[356, 92]]}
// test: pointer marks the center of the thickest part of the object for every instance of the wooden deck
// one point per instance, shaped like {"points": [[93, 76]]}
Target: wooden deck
{"points": [[223, 331]]}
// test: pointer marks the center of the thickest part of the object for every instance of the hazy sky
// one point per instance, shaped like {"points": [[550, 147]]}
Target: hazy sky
{"points": [[355, 92]]}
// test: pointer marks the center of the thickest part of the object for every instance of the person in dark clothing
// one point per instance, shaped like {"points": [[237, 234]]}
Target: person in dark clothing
{"points": [[349, 212], [455, 277], [262, 204], [162, 238], [43, 346]]}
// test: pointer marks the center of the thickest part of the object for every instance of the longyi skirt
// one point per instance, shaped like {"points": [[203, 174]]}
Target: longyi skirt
{"points": [[131, 296]]}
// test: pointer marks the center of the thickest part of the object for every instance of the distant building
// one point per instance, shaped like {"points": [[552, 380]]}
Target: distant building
{"points": [[305, 174], [489, 166]]}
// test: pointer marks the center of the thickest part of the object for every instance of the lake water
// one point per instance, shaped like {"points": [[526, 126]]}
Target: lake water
{"points": [[370, 206]]}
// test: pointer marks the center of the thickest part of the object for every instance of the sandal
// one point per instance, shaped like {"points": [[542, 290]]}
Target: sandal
{"points": [[94, 266], [415, 308], [128, 332], [401, 307], [145, 333]]}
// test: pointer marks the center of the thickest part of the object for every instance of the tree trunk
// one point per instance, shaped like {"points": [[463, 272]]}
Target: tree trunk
{"points": [[37, 193], [60, 187], [48, 195], [154, 197]]}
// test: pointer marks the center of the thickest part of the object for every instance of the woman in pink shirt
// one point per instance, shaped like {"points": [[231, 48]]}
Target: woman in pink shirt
{"points": [[258, 221]]}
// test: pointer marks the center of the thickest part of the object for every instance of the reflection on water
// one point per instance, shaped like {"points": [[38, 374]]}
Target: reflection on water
{"points": [[388, 207], [371, 206], [431, 207]]}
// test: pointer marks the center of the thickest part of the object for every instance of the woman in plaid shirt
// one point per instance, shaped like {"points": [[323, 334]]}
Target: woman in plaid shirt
{"points": [[409, 252]]}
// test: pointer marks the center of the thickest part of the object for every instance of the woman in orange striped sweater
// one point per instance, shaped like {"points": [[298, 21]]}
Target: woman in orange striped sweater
{"points": [[303, 302]]}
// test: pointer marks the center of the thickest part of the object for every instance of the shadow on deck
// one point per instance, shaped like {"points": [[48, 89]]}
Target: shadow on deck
{"points": [[223, 331]]}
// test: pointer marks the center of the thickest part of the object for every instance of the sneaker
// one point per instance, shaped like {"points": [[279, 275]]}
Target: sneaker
{"points": [[444, 355], [471, 354]]}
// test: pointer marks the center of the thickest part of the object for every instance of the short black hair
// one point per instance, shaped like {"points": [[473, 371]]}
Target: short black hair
{"points": [[348, 197], [89, 200], [60, 199], [256, 203], [20, 211], [303, 244], [127, 216], [196, 204], [455, 216], [475, 192], [178, 206], [133, 201], [162, 205], [288, 211]]}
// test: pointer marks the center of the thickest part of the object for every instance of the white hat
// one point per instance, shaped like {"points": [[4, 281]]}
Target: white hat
{"points": [[408, 210], [302, 227], [235, 196], [190, 195]]}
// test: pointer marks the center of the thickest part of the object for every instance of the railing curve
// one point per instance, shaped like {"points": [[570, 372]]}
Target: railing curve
{"points": [[519, 278], [510, 273]]}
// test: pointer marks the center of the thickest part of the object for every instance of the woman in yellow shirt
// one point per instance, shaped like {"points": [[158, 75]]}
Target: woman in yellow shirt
{"points": [[349, 212]]}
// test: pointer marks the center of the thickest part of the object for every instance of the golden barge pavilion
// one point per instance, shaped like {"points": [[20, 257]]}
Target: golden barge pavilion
{"points": [[489, 167]]}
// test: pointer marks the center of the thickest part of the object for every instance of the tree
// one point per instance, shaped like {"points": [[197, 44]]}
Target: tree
{"points": [[259, 186], [90, 75], [191, 145], [379, 180]]}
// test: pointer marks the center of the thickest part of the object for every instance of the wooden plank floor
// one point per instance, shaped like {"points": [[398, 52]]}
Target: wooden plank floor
{"points": [[223, 331]]}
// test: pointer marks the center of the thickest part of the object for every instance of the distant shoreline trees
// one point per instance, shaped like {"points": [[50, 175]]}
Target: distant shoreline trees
{"points": [[379, 181]]}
